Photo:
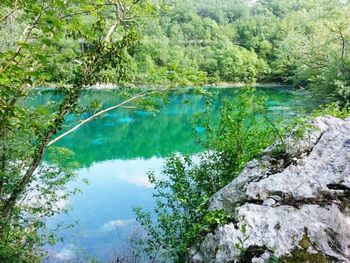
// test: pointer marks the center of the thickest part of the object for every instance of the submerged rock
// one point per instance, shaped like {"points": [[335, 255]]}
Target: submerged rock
{"points": [[285, 199]]}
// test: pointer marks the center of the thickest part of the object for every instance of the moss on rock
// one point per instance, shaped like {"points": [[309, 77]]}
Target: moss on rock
{"points": [[301, 254]]}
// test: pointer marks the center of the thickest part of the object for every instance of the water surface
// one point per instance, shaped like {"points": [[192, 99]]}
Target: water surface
{"points": [[115, 153]]}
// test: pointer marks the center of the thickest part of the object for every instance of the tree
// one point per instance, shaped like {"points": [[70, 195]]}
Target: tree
{"points": [[182, 194], [319, 50], [70, 45]]}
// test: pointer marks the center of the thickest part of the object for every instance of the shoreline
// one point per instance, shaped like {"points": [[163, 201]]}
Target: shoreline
{"points": [[241, 84], [219, 85], [213, 85]]}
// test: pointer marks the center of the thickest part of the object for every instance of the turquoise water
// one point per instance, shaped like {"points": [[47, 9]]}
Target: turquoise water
{"points": [[115, 153]]}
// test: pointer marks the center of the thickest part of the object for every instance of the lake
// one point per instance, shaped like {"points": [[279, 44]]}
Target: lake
{"points": [[114, 154]]}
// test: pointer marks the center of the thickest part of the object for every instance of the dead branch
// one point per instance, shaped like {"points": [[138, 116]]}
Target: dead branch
{"points": [[24, 38], [122, 104], [8, 14]]}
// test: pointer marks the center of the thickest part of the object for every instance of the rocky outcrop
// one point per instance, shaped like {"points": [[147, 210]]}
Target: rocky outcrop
{"points": [[286, 198]]}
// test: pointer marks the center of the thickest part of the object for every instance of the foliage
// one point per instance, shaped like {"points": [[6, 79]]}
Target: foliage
{"points": [[332, 109], [301, 42], [182, 194], [303, 254], [222, 41], [71, 45], [240, 245], [318, 47]]}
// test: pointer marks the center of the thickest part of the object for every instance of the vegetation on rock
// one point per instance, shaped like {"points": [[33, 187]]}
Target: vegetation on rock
{"points": [[183, 194]]}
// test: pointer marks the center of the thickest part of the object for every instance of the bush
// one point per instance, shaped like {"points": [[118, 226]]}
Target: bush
{"points": [[182, 194]]}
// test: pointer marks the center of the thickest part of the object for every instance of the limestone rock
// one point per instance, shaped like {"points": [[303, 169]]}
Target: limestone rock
{"points": [[281, 201]]}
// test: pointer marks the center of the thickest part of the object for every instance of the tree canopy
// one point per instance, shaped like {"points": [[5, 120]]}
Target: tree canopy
{"points": [[297, 42], [67, 44]]}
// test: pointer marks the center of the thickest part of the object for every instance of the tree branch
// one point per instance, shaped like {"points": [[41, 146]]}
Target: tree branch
{"points": [[24, 38], [141, 95], [11, 201], [8, 14], [110, 31], [11, 12], [346, 66]]}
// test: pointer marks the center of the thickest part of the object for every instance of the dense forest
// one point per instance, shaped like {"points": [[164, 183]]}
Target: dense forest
{"points": [[147, 48], [298, 42], [189, 43]]}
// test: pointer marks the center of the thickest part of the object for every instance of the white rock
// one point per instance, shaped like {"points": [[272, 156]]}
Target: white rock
{"points": [[309, 197]]}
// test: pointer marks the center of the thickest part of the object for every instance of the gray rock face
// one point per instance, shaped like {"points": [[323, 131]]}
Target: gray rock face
{"points": [[279, 201]]}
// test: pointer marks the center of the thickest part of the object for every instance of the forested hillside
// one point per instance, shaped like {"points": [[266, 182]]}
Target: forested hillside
{"points": [[211, 41]]}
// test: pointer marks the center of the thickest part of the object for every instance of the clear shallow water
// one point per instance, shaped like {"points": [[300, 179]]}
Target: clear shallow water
{"points": [[115, 153]]}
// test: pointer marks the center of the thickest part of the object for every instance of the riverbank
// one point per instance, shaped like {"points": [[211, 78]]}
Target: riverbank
{"points": [[213, 85], [242, 84], [109, 86]]}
